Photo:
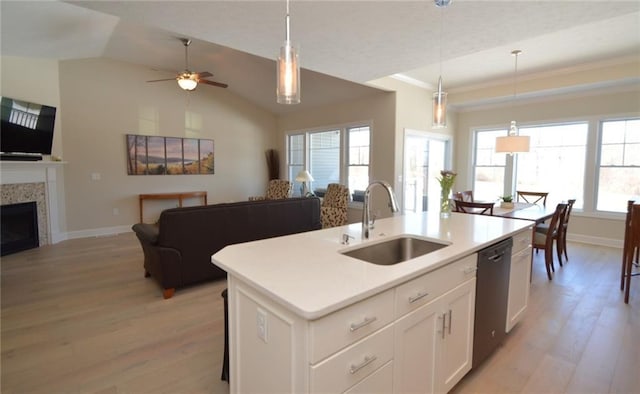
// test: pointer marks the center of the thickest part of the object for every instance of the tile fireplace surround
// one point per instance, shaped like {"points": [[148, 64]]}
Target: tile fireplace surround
{"points": [[35, 181]]}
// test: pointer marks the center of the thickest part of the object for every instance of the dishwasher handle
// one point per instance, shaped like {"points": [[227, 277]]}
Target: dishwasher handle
{"points": [[496, 257]]}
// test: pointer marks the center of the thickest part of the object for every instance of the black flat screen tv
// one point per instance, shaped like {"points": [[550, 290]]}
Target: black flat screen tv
{"points": [[26, 127]]}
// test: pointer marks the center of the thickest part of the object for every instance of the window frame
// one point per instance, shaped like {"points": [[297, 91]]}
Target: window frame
{"points": [[344, 162], [598, 162]]}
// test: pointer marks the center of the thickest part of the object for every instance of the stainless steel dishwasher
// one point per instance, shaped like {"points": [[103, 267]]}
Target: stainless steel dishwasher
{"points": [[492, 290]]}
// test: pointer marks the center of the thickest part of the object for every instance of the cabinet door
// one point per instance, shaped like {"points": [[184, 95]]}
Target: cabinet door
{"points": [[457, 343], [519, 283], [415, 352]]}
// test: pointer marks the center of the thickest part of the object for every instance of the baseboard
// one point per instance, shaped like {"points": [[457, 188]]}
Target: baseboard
{"points": [[600, 241], [99, 232]]}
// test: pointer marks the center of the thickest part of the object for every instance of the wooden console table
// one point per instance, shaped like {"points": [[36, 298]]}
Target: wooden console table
{"points": [[180, 196]]}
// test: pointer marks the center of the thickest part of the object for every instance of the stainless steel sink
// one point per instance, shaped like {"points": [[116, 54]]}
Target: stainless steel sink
{"points": [[395, 250]]}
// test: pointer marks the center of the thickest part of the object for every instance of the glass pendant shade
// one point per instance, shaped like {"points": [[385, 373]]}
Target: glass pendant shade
{"points": [[187, 81], [288, 89], [439, 109]]}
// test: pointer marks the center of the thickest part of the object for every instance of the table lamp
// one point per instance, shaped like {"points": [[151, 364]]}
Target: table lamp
{"points": [[303, 177]]}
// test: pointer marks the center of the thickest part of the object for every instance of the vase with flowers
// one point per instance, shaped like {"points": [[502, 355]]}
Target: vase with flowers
{"points": [[447, 178]]}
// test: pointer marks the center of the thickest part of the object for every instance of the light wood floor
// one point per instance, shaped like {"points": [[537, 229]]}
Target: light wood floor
{"points": [[79, 317]]}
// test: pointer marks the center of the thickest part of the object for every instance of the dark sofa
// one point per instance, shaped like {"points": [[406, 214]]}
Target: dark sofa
{"points": [[177, 250]]}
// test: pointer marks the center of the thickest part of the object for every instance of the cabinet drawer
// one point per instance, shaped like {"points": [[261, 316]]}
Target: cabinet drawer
{"points": [[379, 382], [521, 241], [342, 328], [431, 285], [351, 365]]}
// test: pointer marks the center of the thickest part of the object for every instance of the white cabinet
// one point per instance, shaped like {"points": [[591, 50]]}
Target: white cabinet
{"points": [[433, 344], [519, 278], [415, 337]]}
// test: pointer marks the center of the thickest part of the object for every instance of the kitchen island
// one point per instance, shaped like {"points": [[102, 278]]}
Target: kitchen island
{"points": [[303, 317]]}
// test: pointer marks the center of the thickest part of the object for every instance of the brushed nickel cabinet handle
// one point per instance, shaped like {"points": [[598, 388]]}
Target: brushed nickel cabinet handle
{"points": [[417, 297], [367, 360], [365, 322]]}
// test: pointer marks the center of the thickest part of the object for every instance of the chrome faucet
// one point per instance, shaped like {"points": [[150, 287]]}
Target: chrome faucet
{"points": [[367, 223]]}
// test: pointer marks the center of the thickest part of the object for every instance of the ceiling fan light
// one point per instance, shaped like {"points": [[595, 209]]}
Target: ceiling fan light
{"points": [[187, 81], [288, 90]]}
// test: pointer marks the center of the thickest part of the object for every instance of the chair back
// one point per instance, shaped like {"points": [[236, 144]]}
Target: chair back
{"points": [[279, 189], [466, 195], [556, 219], [337, 195], [334, 206], [570, 203], [532, 197], [479, 208]]}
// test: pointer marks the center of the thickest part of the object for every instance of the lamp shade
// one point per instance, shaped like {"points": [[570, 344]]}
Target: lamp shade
{"points": [[304, 176], [187, 82], [439, 109], [288, 90], [512, 144]]}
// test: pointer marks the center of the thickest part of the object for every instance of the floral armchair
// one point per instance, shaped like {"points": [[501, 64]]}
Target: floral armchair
{"points": [[277, 189], [333, 211]]}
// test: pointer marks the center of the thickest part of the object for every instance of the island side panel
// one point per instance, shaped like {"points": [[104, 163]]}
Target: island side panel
{"points": [[277, 363]]}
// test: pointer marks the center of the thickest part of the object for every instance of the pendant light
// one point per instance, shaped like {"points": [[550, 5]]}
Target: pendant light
{"points": [[440, 97], [513, 143], [288, 89]]}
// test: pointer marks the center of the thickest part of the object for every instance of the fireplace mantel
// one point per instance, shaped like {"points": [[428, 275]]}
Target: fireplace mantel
{"points": [[47, 172]]}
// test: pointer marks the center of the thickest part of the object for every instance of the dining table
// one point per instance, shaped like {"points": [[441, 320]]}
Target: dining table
{"points": [[536, 213]]}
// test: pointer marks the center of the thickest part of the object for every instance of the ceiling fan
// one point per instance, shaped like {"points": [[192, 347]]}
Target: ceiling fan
{"points": [[189, 80]]}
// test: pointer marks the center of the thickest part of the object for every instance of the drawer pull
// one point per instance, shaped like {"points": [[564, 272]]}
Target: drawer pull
{"points": [[469, 270], [363, 323], [367, 360], [417, 297]]}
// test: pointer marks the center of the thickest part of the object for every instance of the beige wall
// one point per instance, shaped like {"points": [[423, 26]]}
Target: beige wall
{"points": [[591, 107], [103, 100], [414, 110], [379, 110], [36, 80]]}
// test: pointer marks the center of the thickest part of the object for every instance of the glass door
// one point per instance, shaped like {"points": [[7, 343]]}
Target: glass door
{"points": [[425, 155]]}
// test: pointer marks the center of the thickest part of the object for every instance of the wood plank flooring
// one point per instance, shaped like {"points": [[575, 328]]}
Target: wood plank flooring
{"points": [[79, 317]]}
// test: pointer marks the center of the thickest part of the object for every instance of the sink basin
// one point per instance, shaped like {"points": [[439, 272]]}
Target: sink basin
{"points": [[395, 250]]}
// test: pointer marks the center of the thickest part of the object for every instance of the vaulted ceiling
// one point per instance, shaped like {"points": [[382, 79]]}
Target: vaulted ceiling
{"points": [[343, 44]]}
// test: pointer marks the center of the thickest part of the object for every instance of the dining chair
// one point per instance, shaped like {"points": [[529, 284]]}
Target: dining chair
{"points": [[544, 240], [532, 197], [561, 236], [632, 244], [466, 195], [479, 208]]}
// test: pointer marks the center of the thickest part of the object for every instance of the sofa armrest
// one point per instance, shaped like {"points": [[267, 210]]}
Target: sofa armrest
{"points": [[147, 232]]}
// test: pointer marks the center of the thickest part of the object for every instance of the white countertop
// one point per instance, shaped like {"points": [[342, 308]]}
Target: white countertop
{"points": [[307, 275]]}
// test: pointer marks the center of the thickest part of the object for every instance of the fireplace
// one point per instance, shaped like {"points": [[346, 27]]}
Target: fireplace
{"points": [[19, 223]]}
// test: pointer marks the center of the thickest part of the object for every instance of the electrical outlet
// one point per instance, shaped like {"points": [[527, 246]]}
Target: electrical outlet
{"points": [[261, 325], [95, 176], [116, 211]]}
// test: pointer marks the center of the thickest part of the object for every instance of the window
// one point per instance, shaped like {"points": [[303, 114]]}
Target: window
{"points": [[490, 166], [555, 163], [336, 155], [619, 164]]}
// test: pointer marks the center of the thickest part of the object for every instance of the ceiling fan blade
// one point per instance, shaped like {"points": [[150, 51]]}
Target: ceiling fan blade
{"points": [[166, 79], [218, 84], [204, 74]]}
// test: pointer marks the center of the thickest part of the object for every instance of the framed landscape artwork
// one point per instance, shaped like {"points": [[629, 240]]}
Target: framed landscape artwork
{"points": [[152, 155]]}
